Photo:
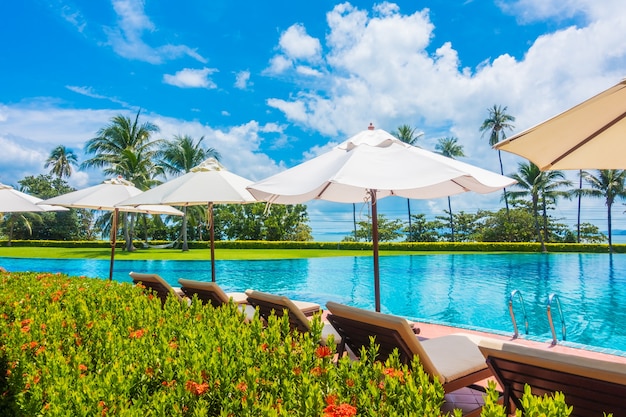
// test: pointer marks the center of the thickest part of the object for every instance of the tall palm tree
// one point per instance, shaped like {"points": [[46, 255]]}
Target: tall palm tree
{"points": [[541, 187], [407, 134], [580, 196], [124, 147], [450, 148], [608, 184], [496, 124], [179, 156], [61, 159]]}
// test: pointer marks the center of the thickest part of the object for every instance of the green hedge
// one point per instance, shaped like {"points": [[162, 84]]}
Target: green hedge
{"points": [[86, 347], [389, 246]]}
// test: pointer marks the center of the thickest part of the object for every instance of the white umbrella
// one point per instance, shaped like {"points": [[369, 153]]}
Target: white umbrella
{"points": [[371, 165], [13, 201], [591, 135], [106, 196], [205, 184]]}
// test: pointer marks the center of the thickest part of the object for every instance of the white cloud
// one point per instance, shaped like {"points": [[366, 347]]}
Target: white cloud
{"points": [[295, 43], [126, 38], [191, 78], [242, 80], [297, 50]]}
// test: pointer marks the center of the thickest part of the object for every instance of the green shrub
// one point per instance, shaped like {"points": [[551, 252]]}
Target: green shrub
{"points": [[86, 347]]}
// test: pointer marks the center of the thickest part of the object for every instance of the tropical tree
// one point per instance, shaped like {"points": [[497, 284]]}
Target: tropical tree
{"points": [[124, 148], [496, 124], [388, 230], [179, 156], [450, 148], [61, 159], [607, 184], [541, 187], [410, 135]]}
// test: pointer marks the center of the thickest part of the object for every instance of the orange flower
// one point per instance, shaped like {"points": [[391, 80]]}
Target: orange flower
{"points": [[350, 382], [323, 352], [195, 388], [242, 386], [82, 367], [137, 334], [341, 410], [318, 371], [394, 373], [150, 372], [40, 350]]}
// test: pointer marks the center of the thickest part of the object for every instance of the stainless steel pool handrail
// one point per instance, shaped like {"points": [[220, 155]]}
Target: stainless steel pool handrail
{"points": [[512, 313], [554, 297]]}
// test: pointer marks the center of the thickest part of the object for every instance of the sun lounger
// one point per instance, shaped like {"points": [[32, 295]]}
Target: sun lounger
{"points": [[454, 359], [210, 292], [298, 312], [591, 386], [157, 284]]}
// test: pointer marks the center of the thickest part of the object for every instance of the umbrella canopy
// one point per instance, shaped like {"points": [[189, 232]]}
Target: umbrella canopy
{"points": [[206, 184], [591, 135], [371, 165], [106, 196], [13, 201]]}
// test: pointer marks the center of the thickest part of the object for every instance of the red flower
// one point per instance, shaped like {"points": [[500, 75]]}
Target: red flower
{"points": [[82, 367], [195, 388], [323, 352], [137, 334], [242, 386], [341, 410]]}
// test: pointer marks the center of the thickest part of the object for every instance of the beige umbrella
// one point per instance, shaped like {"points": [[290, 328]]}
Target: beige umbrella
{"points": [[13, 201], [205, 184], [106, 196], [369, 166], [591, 135]]}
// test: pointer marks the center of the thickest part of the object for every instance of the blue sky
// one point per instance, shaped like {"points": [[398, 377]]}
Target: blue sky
{"points": [[272, 83]]}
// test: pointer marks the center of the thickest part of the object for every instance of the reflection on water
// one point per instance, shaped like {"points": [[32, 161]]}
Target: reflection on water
{"points": [[462, 289]]}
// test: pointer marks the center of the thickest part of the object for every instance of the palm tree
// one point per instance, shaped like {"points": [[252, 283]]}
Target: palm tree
{"points": [[179, 156], [450, 148], [539, 186], [497, 122], [407, 134], [607, 184], [124, 148], [62, 159]]}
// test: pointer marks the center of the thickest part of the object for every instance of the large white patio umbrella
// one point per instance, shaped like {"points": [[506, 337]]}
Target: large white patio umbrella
{"points": [[590, 135], [106, 196], [369, 166], [206, 184], [14, 201]]}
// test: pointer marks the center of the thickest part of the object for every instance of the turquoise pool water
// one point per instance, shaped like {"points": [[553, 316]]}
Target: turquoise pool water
{"points": [[466, 290]]}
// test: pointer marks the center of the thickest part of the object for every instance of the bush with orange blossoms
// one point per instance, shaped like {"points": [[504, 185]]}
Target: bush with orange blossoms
{"points": [[231, 367]]}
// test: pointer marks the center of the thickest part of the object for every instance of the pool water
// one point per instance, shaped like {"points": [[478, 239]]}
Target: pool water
{"points": [[467, 290]]}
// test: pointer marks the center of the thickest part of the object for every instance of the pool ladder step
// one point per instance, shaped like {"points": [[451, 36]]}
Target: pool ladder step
{"points": [[552, 299]]}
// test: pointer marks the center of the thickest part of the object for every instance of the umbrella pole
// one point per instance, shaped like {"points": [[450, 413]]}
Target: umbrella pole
{"points": [[375, 249], [212, 232], [113, 242]]}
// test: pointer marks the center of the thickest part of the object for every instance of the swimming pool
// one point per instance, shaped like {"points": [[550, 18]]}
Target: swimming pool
{"points": [[467, 290]]}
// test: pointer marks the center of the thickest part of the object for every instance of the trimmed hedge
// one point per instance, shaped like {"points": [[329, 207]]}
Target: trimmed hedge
{"points": [[388, 246]]}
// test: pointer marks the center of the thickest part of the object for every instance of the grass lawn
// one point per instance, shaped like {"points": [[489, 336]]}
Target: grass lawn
{"points": [[191, 255]]}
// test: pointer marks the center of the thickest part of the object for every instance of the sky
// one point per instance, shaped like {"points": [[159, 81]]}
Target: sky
{"points": [[270, 84]]}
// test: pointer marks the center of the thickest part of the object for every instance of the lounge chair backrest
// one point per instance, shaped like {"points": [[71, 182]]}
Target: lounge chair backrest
{"points": [[356, 325], [591, 386], [268, 303], [156, 284], [206, 291]]}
